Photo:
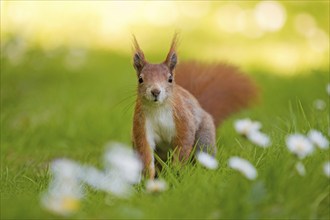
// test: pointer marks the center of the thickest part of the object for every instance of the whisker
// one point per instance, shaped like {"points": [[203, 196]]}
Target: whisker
{"points": [[128, 107], [125, 99]]}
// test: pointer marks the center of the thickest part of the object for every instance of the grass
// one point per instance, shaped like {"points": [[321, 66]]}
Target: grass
{"points": [[51, 109]]}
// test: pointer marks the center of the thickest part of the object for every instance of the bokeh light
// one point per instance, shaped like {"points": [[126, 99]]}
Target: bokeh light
{"points": [[305, 24], [286, 37], [270, 15]]}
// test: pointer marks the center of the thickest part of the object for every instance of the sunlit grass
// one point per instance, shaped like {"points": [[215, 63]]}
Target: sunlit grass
{"points": [[51, 109]]}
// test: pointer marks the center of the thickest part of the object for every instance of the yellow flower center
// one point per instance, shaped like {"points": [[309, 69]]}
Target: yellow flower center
{"points": [[70, 204]]}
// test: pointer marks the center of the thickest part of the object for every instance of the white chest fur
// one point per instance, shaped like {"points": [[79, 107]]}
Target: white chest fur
{"points": [[160, 125]]}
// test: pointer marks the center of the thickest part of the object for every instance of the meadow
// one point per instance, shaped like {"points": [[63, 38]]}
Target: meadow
{"points": [[60, 105]]}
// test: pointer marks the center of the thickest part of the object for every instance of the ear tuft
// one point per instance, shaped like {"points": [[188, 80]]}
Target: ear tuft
{"points": [[138, 58], [172, 58]]}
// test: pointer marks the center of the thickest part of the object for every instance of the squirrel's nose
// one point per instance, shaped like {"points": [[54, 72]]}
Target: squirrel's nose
{"points": [[155, 92]]}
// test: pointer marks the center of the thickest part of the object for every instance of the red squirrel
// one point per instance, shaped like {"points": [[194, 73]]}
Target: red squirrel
{"points": [[180, 106]]}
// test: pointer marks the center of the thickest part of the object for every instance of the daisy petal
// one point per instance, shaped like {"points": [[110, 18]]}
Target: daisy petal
{"points": [[300, 169], [318, 139], [244, 166], [259, 138], [207, 160], [326, 169], [123, 160], [245, 126]]}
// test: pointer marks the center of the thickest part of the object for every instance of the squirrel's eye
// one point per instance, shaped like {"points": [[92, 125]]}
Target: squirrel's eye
{"points": [[140, 80], [170, 79]]}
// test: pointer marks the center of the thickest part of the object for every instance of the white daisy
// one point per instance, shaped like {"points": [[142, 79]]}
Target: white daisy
{"points": [[318, 139], [94, 177], [259, 138], [123, 168], [153, 186], [299, 145], [319, 104], [244, 166], [326, 169], [118, 185], [245, 126], [207, 160], [62, 205], [65, 189], [109, 181], [300, 168], [66, 178], [123, 161], [65, 168]]}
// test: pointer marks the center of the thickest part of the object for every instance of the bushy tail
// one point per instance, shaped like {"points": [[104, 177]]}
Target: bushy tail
{"points": [[221, 89]]}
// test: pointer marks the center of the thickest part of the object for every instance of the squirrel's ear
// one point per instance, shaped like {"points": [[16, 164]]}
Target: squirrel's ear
{"points": [[172, 58], [138, 62], [171, 61], [138, 58]]}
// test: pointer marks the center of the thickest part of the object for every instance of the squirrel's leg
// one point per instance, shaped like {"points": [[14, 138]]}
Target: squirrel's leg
{"points": [[143, 148], [183, 151], [184, 142], [147, 158], [205, 135], [146, 155]]}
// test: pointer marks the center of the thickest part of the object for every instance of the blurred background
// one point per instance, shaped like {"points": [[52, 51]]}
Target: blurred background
{"points": [[286, 37], [68, 87]]}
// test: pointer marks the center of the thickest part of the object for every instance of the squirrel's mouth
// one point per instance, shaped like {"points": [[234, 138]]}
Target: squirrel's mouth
{"points": [[153, 100]]}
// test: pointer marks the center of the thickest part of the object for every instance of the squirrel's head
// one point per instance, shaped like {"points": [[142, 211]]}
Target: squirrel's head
{"points": [[155, 81]]}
